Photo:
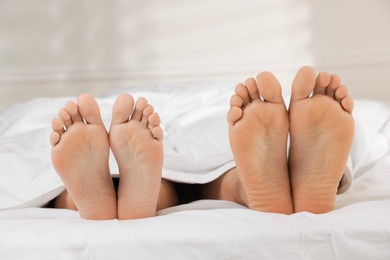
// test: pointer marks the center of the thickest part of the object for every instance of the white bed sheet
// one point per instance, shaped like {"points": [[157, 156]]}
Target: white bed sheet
{"points": [[358, 229]]}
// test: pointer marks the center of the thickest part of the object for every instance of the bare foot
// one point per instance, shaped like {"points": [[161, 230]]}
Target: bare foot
{"points": [[80, 156], [258, 132], [321, 131], [136, 141]]}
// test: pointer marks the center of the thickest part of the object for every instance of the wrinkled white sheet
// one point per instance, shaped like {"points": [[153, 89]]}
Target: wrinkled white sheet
{"points": [[358, 231], [196, 150]]}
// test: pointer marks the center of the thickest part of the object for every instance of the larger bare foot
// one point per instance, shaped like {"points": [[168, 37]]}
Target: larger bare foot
{"points": [[80, 156], [136, 141], [258, 132], [321, 131]]}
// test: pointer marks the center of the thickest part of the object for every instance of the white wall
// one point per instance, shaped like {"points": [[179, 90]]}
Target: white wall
{"points": [[65, 47], [353, 39]]}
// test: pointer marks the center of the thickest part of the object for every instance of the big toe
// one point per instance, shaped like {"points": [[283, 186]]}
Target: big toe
{"points": [[122, 109], [89, 109], [303, 84], [269, 87]]}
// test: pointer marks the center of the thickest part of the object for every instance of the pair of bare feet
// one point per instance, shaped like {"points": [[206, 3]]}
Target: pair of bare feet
{"points": [[321, 127], [321, 131], [80, 155]]}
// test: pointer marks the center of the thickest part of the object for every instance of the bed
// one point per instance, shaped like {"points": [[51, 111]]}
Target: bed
{"points": [[359, 228]]}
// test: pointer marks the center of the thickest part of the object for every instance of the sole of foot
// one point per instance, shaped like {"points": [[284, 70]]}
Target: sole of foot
{"points": [[321, 134], [80, 152], [258, 130], [136, 142]]}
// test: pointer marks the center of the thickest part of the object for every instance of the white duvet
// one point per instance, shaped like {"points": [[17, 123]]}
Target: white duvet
{"points": [[196, 151]]}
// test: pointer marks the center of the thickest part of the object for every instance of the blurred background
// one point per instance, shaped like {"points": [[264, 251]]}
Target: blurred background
{"points": [[54, 48]]}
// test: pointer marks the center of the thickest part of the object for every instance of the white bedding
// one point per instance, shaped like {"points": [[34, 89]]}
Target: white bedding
{"points": [[358, 229]]}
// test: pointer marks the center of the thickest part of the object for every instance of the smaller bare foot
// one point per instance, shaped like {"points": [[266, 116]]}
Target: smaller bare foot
{"points": [[258, 129], [136, 141], [321, 131], [80, 156]]}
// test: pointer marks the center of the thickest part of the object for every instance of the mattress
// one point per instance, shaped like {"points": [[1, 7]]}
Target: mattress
{"points": [[359, 228]]}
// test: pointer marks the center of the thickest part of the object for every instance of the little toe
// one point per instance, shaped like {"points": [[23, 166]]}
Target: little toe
{"points": [[122, 109], [234, 115], [333, 85], [236, 101], [303, 83], [243, 93], [157, 133], [269, 87], [139, 108], [58, 125], [64, 115], [89, 109], [54, 138], [73, 111], [251, 87], [146, 114], [347, 104], [322, 82]]}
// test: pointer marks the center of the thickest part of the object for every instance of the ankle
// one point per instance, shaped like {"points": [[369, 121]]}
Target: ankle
{"points": [[64, 201], [167, 197], [232, 189]]}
